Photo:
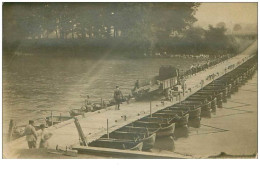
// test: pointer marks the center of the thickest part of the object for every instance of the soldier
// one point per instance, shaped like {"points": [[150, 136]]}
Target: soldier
{"points": [[44, 136], [118, 97], [136, 85], [31, 135]]}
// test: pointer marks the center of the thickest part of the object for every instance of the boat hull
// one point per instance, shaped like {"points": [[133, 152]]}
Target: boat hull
{"points": [[117, 144], [182, 121], [138, 147], [148, 143], [163, 129], [166, 131], [181, 131], [147, 139], [194, 117]]}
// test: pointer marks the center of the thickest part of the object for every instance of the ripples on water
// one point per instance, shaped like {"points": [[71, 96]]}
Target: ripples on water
{"points": [[32, 87]]}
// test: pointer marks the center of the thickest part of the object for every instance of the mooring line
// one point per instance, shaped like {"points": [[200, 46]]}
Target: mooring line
{"points": [[238, 106], [214, 127], [239, 102], [210, 132], [239, 110], [230, 115]]}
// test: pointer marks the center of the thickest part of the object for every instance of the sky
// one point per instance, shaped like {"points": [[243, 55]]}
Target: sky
{"points": [[229, 13]]}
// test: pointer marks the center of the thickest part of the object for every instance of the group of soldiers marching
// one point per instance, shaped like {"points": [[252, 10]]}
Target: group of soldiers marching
{"points": [[200, 67]]}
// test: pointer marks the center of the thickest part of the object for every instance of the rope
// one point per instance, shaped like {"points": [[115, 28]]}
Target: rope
{"points": [[229, 115], [214, 127], [246, 104], [239, 110]]}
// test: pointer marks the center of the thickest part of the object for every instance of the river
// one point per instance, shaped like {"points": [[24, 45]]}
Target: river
{"points": [[34, 86]]}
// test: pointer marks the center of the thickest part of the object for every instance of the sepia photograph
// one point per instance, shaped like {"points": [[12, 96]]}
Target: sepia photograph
{"points": [[130, 80]]}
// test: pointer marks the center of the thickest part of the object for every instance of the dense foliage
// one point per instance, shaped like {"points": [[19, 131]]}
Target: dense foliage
{"points": [[133, 29], [136, 21]]}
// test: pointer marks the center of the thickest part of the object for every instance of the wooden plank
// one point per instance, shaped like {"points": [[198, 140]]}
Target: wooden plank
{"points": [[125, 153]]}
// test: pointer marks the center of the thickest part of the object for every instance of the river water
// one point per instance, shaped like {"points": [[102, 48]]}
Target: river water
{"points": [[33, 86]]}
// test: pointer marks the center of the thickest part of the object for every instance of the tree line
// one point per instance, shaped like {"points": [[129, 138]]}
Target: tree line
{"points": [[138, 27], [137, 21]]}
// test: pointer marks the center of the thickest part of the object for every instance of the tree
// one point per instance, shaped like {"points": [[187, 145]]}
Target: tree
{"points": [[237, 27], [221, 25], [215, 38], [169, 17], [142, 25]]}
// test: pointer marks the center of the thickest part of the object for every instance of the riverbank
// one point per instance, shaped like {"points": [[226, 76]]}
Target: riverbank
{"points": [[97, 48]]}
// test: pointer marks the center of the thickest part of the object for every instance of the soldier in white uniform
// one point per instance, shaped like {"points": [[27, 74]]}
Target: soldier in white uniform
{"points": [[31, 135]]}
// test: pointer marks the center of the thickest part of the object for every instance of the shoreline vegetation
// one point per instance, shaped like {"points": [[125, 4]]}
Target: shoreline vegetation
{"points": [[121, 48], [132, 30]]}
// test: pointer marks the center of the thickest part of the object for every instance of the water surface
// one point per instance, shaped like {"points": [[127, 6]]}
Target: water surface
{"points": [[33, 86]]}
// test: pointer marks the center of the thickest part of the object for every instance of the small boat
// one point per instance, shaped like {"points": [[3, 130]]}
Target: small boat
{"points": [[217, 95], [76, 112], [117, 144], [134, 136], [224, 91], [173, 112], [194, 99], [226, 86], [194, 110], [168, 114], [214, 93], [158, 120], [149, 142], [182, 121], [194, 113], [165, 118], [53, 120], [198, 96], [164, 128], [204, 104], [147, 139], [138, 129], [210, 98]]}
